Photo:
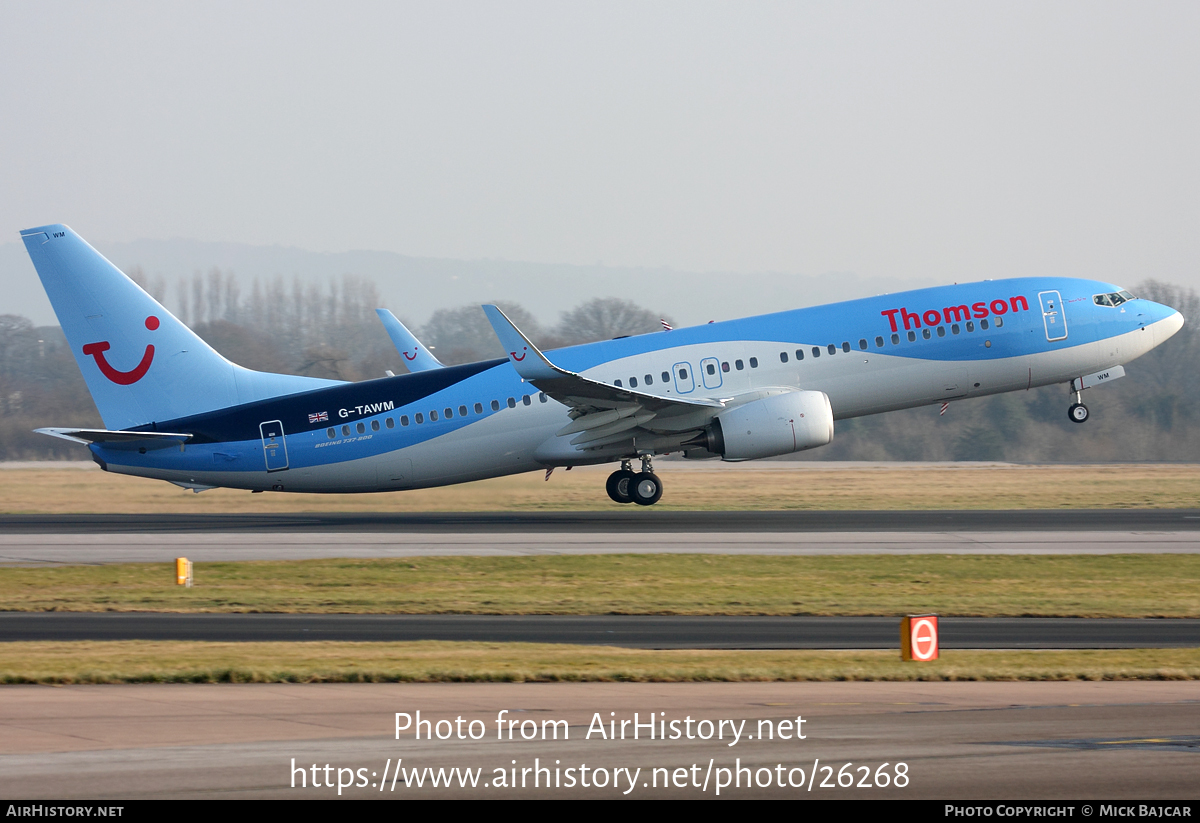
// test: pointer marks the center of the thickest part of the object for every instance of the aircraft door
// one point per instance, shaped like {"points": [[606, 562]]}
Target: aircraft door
{"points": [[710, 372], [1052, 315], [684, 382], [274, 447]]}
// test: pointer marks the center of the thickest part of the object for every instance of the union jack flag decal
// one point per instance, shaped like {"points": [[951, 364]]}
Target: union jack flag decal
{"points": [[319, 417]]}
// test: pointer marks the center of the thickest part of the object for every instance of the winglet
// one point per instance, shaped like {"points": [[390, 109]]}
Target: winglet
{"points": [[526, 358], [416, 356]]}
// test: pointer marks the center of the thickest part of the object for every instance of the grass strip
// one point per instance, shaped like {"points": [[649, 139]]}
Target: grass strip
{"points": [[433, 661], [960, 585], [688, 487]]}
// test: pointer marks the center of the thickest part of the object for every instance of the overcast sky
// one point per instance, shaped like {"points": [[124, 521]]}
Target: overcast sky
{"points": [[944, 141]]}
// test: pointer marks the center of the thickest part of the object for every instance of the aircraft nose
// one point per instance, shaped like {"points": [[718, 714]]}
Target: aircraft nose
{"points": [[1171, 321]]}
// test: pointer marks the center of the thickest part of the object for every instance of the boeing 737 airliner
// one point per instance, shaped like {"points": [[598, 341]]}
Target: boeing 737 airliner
{"points": [[176, 410]]}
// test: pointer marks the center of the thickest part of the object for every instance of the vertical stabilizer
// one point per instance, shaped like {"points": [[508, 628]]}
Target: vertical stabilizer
{"points": [[141, 364]]}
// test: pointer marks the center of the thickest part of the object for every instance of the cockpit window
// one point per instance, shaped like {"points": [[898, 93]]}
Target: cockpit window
{"points": [[1112, 299]]}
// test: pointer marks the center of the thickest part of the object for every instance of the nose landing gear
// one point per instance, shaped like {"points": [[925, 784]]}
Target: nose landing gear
{"points": [[1078, 413], [626, 486]]}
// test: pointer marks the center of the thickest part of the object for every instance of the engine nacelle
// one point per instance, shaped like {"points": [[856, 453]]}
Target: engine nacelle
{"points": [[780, 424]]}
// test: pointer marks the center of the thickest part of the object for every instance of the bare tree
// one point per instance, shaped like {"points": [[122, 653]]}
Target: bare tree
{"points": [[605, 317], [464, 335]]}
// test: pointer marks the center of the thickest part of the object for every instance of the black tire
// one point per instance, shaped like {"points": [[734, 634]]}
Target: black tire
{"points": [[645, 488], [1078, 413], [618, 486]]}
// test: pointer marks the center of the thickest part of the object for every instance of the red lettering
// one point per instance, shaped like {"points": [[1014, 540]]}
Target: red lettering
{"points": [[890, 314], [954, 314], [979, 309], [906, 315], [1018, 300], [937, 318], [999, 307]]}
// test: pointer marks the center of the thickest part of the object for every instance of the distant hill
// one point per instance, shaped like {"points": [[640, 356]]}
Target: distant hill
{"points": [[415, 287]]}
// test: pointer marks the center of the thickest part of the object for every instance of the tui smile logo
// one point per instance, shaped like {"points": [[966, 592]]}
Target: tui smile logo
{"points": [[524, 351], [412, 356], [123, 378]]}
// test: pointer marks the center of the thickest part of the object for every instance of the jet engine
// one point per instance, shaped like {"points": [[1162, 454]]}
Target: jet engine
{"points": [[771, 426]]}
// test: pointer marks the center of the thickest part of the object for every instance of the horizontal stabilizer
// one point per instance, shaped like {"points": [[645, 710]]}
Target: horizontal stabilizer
{"points": [[119, 439]]}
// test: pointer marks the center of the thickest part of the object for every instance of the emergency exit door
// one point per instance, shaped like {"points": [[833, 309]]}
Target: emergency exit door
{"points": [[274, 447], [1052, 315]]}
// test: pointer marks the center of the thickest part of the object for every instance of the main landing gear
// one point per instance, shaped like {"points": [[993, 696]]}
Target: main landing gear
{"points": [[627, 486], [1078, 413]]}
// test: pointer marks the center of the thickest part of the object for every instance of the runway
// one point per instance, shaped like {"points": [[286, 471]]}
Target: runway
{"points": [[631, 631], [957, 741], [623, 521], [45, 539]]}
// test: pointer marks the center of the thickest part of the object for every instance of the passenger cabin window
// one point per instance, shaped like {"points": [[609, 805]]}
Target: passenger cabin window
{"points": [[739, 365], [999, 322], [391, 424], [954, 328], [683, 374], [618, 384], [449, 413], [912, 337], [433, 416], [846, 346], [816, 351], [633, 382], [526, 400], [925, 333], [783, 358], [862, 344], [649, 378], [710, 368], [832, 348], [666, 377], [754, 362], [512, 402], [462, 411], [345, 431], [799, 354], [879, 342], [495, 405], [361, 428], [420, 418], [330, 433], [941, 331], [970, 325], [541, 397], [983, 324], [895, 340], [479, 408], [404, 420], [374, 425], [725, 365]]}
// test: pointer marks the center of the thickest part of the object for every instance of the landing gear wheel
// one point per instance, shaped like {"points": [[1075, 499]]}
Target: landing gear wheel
{"points": [[645, 488], [1078, 413], [619, 486]]}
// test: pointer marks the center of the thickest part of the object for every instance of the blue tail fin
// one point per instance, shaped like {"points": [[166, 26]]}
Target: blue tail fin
{"points": [[141, 364]]}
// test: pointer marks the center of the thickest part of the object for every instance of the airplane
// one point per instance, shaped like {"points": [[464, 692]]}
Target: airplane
{"points": [[176, 410]]}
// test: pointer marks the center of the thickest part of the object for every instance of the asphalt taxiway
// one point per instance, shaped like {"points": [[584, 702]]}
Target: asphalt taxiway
{"points": [[631, 631]]}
